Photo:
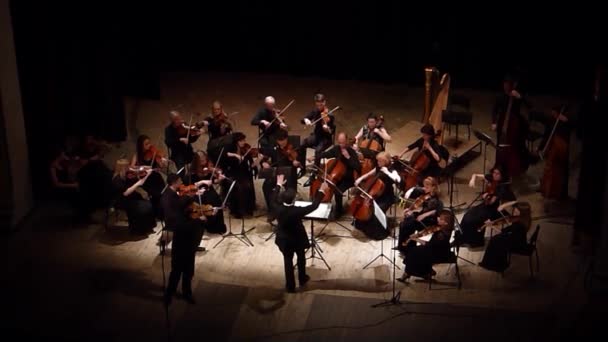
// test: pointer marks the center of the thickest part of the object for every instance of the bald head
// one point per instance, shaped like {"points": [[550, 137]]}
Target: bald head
{"points": [[342, 139], [269, 102], [175, 117]]}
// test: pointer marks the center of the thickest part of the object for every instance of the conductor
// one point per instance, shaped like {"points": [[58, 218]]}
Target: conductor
{"points": [[291, 236]]}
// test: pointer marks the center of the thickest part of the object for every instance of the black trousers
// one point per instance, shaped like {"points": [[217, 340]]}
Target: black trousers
{"points": [[319, 144], [183, 251], [290, 282]]}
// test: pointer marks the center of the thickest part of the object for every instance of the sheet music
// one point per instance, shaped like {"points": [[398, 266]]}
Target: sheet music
{"points": [[322, 211], [379, 213]]}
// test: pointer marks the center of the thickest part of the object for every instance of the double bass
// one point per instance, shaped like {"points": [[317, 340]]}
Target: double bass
{"points": [[511, 148]]}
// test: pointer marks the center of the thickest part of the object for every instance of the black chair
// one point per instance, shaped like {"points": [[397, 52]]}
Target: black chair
{"points": [[529, 250], [458, 113], [452, 259]]}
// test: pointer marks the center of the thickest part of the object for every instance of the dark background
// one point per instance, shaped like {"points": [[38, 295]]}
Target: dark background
{"points": [[77, 61]]}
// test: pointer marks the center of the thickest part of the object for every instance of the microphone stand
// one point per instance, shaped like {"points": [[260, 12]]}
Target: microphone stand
{"points": [[396, 295]]}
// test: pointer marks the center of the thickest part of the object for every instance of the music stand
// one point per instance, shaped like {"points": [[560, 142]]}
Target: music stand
{"points": [[451, 185], [242, 236], [322, 212], [382, 219], [487, 140], [396, 298]]}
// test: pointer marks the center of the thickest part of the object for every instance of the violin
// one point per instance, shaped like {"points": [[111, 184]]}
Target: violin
{"points": [[154, 154], [426, 231], [197, 210], [187, 190], [254, 152], [500, 221], [418, 202], [490, 191], [138, 172], [289, 152]]}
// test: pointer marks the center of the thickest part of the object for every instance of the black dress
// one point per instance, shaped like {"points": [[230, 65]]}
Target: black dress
{"points": [[154, 186], [139, 210], [419, 260], [410, 224], [511, 238], [242, 198], [477, 215], [372, 228]]}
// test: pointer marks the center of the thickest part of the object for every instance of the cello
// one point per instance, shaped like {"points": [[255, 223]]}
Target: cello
{"points": [[334, 171], [362, 207], [370, 144]]}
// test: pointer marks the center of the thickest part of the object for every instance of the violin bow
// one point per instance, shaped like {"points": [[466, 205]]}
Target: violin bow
{"points": [[322, 116], [189, 127], [542, 153], [277, 115]]}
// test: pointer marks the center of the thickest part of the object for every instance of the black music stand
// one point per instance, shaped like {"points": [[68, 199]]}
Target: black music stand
{"points": [[383, 220], [242, 236], [322, 212], [396, 298], [487, 140], [451, 185]]}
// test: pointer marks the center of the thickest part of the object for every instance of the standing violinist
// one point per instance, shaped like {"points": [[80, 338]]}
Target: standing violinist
{"points": [[269, 126], [217, 123], [431, 149], [324, 127], [179, 138], [387, 175], [511, 129], [555, 151], [420, 214], [283, 155], [239, 164], [497, 191], [348, 156], [373, 130], [204, 174], [147, 157]]}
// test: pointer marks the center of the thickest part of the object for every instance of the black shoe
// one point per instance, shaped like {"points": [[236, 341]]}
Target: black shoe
{"points": [[305, 280], [201, 249]]}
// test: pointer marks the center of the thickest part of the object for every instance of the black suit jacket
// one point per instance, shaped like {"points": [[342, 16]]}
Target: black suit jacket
{"points": [[291, 233]]}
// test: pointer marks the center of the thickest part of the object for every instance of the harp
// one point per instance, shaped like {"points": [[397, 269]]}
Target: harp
{"points": [[436, 94]]}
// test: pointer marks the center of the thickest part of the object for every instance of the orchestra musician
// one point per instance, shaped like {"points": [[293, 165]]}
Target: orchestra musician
{"points": [[265, 119], [373, 130], [511, 238], [217, 123], [239, 167], [421, 213], [64, 171], [419, 259], [511, 129], [555, 151], [497, 191], [132, 198], [186, 233], [291, 237], [146, 157], [389, 177], [431, 149], [283, 156], [204, 174], [324, 127], [348, 156], [179, 138]]}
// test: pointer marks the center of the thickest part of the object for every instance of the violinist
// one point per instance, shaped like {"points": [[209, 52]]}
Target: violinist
{"points": [[283, 156], [388, 176], [265, 119], [324, 127], [239, 167], [132, 198], [202, 170], [217, 123], [511, 129], [497, 191], [511, 238], [348, 156], [148, 157], [373, 131], [186, 233], [421, 213], [431, 150], [555, 150], [179, 138], [419, 259]]}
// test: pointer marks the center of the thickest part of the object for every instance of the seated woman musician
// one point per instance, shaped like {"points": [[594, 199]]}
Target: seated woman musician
{"points": [[204, 174], [239, 165], [437, 155], [132, 198], [497, 191], [372, 135], [513, 227], [389, 177], [148, 157], [419, 259], [421, 213]]}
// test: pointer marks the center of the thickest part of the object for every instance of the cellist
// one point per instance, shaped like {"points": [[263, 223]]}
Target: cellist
{"points": [[431, 149], [349, 158], [389, 177], [373, 130]]}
